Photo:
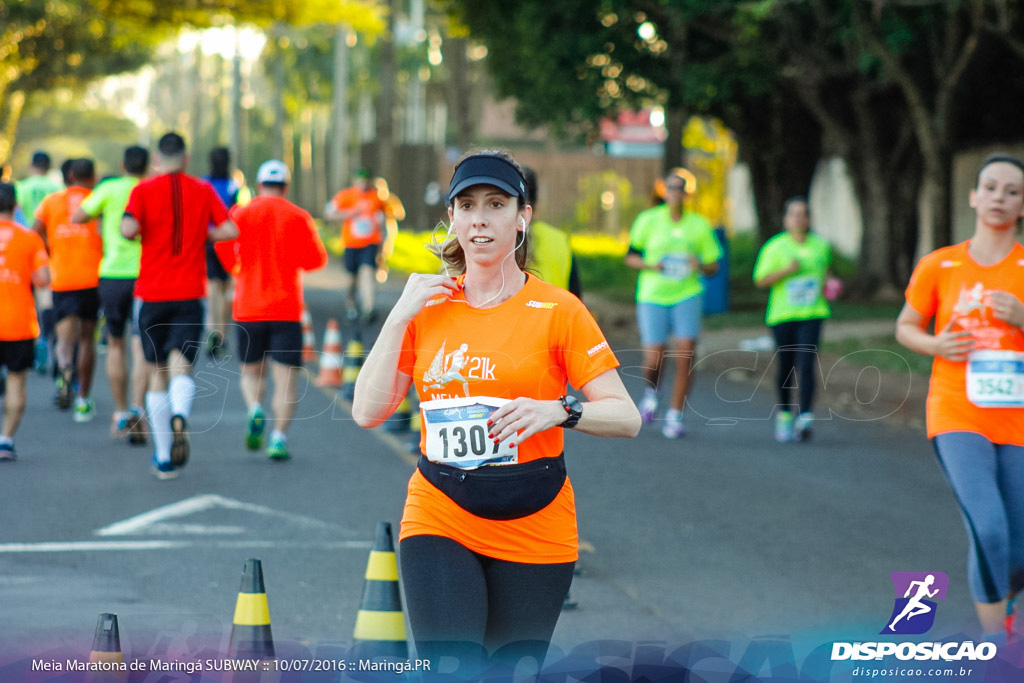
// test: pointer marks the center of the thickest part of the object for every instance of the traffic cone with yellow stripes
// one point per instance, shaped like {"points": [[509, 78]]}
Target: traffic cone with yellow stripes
{"points": [[250, 634], [330, 358], [380, 623], [308, 338], [401, 419], [352, 363], [106, 649]]}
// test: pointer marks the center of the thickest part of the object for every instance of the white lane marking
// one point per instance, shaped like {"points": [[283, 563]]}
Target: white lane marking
{"points": [[93, 546], [144, 522], [75, 546]]}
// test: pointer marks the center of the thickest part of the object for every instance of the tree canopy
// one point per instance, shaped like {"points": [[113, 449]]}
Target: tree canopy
{"points": [[50, 43], [883, 85]]}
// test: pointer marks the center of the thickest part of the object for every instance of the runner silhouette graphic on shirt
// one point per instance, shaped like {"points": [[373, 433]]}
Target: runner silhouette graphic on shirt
{"points": [[448, 368]]}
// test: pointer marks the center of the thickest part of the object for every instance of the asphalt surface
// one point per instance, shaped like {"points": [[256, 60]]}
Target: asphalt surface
{"points": [[721, 535]]}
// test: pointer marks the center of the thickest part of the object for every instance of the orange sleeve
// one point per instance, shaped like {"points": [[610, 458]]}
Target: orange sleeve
{"points": [[343, 199], [227, 254], [922, 291], [40, 259], [586, 353], [43, 212]]}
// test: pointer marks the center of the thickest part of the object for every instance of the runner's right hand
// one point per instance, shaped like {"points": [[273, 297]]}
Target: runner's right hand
{"points": [[419, 289]]}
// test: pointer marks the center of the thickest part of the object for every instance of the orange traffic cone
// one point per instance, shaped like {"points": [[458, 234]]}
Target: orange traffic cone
{"points": [[308, 339], [106, 649], [380, 622], [330, 359]]}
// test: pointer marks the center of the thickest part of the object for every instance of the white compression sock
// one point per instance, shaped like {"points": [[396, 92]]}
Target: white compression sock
{"points": [[183, 391], [158, 410]]}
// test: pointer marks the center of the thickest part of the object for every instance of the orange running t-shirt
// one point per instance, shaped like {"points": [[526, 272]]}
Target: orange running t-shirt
{"points": [[76, 249], [277, 240], [530, 345], [949, 284], [366, 227], [22, 253]]}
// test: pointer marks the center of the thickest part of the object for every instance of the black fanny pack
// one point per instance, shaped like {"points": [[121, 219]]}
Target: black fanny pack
{"points": [[499, 492]]}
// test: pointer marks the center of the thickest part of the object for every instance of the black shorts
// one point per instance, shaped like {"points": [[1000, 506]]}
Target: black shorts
{"points": [[17, 355], [360, 256], [281, 340], [84, 303], [214, 268], [116, 297], [168, 325]]}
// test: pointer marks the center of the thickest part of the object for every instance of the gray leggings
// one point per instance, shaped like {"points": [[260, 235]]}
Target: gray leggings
{"points": [[988, 481]]}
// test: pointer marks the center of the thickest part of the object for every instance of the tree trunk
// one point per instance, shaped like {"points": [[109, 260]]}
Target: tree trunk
{"points": [[281, 146], [339, 127], [386, 100], [15, 103], [459, 92], [675, 123], [934, 200], [781, 145]]}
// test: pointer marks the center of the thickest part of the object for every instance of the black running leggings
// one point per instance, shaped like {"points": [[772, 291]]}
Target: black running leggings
{"points": [[797, 342], [459, 601]]}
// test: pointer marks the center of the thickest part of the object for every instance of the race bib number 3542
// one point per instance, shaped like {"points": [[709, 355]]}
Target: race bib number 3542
{"points": [[995, 379], [456, 433]]}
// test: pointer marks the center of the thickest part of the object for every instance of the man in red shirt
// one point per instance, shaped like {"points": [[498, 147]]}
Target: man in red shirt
{"points": [[277, 241], [23, 263], [75, 254], [363, 215], [172, 214]]}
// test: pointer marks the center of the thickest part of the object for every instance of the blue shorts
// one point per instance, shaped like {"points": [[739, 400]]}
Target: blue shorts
{"points": [[681, 320], [355, 258]]}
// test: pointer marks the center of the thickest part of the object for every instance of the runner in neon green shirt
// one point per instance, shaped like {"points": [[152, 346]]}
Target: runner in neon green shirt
{"points": [[794, 266], [35, 187], [120, 256], [672, 248], [118, 271]]}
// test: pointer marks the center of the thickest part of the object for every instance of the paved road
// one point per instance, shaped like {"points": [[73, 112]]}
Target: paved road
{"points": [[723, 534]]}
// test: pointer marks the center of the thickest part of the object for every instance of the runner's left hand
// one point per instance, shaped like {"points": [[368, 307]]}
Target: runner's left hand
{"points": [[1007, 307], [521, 418]]}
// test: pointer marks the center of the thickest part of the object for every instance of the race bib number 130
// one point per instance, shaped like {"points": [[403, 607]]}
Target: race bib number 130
{"points": [[456, 433]]}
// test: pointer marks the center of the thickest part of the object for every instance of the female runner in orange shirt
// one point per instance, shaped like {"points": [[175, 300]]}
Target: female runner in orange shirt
{"points": [[975, 409], [488, 539]]}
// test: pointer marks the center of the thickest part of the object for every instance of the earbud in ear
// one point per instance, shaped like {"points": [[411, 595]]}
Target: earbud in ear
{"points": [[522, 222]]}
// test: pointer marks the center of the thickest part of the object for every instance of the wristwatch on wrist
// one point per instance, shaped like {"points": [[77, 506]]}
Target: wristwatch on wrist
{"points": [[573, 409]]}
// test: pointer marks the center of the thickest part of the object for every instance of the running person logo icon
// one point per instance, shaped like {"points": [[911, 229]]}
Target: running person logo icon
{"points": [[913, 612]]}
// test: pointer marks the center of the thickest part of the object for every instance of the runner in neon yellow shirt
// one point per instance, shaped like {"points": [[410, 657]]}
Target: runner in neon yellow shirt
{"points": [[672, 248], [118, 271], [794, 265]]}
